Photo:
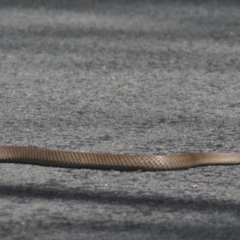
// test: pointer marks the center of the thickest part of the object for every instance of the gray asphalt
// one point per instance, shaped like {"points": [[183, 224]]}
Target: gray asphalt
{"points": [[123, 77]]}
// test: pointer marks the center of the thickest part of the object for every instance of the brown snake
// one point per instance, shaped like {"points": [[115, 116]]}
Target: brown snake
{"points": [[57, 158]]}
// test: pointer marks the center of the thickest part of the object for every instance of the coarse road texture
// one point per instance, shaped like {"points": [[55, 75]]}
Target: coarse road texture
{"points": [[144, 77]]}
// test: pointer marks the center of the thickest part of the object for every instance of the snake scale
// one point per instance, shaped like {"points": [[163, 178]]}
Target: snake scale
{"points": [[59, 158]]}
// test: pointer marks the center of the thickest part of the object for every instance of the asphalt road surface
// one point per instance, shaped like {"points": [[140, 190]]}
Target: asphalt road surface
{"points": [[152, 77]]}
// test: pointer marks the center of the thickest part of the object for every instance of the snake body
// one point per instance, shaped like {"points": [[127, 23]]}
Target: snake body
{"points": [[58, 158]]}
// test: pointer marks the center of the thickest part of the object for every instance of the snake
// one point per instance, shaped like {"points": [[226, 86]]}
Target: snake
{"points": [[107, 161]]}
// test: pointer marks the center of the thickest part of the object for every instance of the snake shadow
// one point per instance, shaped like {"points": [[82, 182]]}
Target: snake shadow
{"points": [[126, 229], [41, 191]]}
